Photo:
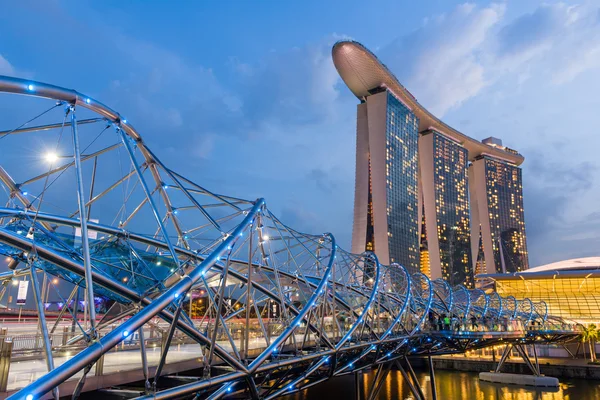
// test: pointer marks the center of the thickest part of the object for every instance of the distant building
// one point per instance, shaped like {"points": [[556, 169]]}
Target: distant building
{"points": [[417, 176], [569, 288], [497, 207]]}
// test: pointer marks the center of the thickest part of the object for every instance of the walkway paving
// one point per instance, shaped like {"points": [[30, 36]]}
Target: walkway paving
{"points": [[23, 373]]}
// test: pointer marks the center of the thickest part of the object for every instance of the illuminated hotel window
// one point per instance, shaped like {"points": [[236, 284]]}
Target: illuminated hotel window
{"points": [[507, 221], [451, 188], [401, 146]]}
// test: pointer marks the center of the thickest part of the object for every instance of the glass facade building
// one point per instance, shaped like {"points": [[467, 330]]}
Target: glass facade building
{"points": [[402, 137], [451, 193], [418, 202], [570, 288], [504, 190]]}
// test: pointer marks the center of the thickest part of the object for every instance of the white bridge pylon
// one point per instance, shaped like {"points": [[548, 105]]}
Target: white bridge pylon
{"points": [[85, 200]]}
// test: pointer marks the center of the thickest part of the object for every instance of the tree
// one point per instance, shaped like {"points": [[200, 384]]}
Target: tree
{"points": [[590, 335]]}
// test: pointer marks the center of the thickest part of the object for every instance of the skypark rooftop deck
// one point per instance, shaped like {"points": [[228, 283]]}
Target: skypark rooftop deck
{"points": [[363, 72]]}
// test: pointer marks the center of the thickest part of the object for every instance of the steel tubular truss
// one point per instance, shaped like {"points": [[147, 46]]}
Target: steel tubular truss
{"points": [[271, 309]]}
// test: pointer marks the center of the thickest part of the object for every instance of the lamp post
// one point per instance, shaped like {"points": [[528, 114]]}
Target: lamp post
{"points": [[54, 281], [190, 296]]}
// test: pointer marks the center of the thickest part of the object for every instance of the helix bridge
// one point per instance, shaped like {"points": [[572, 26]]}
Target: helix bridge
{"points": [[268, 310]]}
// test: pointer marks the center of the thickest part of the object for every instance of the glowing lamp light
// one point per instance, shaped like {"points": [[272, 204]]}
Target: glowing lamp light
{"points": [[55, 281], [188, 295], [29, 396], [176, 295], [229, 389], [124, 121], [25, 193], [15, 282], [30, 88], [125, 333], [51, 157], [87, 101], [265, 237], [158, 263], [291, 387]]}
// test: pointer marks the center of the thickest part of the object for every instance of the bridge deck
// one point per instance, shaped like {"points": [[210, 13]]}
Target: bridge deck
{"points": [[124, 366]]}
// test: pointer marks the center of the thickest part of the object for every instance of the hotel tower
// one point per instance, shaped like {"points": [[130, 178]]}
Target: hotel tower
{"points": [[427, 196]]}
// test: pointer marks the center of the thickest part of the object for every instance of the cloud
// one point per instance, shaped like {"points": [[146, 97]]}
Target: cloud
{"points": [[562, 41], [299, 218], [440, 61], [531, 30], [454, 57], [204, 146], [166, 92], [508, 77], [323, 180], [5, 67], [291, 87], [550, 189]]}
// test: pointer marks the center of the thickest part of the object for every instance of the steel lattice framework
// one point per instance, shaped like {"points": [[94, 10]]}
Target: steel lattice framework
{"points": [[105, 213]]}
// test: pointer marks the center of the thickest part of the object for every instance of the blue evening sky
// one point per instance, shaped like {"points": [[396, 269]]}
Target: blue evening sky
{"points": [[242, 96]]}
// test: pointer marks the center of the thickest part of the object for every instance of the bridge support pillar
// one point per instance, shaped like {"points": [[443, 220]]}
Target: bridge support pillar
{"points": [[5, 355], [243, 342], [408, 381], [504, 357], [413, 376], [432, 378], [537, 363], [382, 373], [532, 367], [100, 366], [357, 385], [65, 335]]}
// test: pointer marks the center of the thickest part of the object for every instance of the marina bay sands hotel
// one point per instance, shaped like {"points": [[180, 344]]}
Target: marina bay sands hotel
{"points": [[427, 196]]}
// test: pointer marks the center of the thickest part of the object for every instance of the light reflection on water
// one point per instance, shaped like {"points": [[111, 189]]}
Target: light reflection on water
{"points": [[451, 385]]}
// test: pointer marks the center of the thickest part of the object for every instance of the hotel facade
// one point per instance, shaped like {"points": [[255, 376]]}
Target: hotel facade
{"points": [[427, 196]]}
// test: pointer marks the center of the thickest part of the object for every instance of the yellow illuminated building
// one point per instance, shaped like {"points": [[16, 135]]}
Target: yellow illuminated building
{"points": [[425, 267], [570, 288]]}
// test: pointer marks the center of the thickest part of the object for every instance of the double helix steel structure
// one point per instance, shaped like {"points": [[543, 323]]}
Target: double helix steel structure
{"points": [[87, 201]]}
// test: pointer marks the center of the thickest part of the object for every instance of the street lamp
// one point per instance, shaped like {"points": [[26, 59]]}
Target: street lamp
{"points": [[12, 263], [54, 281]]}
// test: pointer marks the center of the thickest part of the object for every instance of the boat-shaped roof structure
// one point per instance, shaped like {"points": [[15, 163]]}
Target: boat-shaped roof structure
{"points": [[363, 73]]}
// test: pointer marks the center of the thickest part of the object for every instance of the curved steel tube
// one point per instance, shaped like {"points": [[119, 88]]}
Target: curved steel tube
{"points": [[386, 306]]}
